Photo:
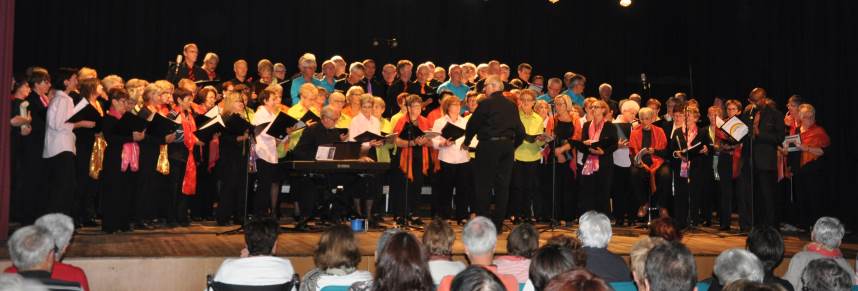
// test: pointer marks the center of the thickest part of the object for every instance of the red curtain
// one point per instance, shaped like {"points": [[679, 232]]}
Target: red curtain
{"points": [[7, 32]]}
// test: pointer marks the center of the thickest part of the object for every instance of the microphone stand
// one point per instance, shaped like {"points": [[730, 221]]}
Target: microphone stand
{"points": [[690, 227], [553, 224], [246, 216], [406, 221]]}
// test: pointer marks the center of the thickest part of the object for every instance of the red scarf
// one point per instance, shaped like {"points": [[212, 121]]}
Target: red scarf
{"points": [[735, 154], [189, 126], [823, 250], [592, 164], [658, 142], [814, 136], [405, 156]]}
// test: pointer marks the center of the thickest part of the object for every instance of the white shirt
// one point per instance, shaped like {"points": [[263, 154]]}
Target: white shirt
{"points": [[361, 124], [59, 135], [255, 271], [442, 268], [266, 145], [343, 280], [450, 154], [621, 154]]}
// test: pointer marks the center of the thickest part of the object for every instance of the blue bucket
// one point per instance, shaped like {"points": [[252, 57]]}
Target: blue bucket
{"points": [[359, 225]]}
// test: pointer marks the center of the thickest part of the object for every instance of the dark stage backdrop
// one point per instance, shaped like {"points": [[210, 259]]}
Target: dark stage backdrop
{"points": [[706, 48]]}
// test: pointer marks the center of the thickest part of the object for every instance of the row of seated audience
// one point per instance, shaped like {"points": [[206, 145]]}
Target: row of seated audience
{"points": [[659, 261]]}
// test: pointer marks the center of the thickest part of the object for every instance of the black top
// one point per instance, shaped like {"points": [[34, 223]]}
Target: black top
{"points": [[194, 74], [678, 142], [15, 141], [44, 277], [607, 137], [771, 136], [344, 85], [312, 137], [606, 265], [495, 117], [248, 81], [426, 92]]}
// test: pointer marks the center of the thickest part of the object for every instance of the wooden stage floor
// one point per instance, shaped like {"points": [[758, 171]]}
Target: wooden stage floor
{"points": [[201, 239]]}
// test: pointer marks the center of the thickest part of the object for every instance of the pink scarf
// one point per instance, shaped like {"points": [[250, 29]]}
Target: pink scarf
{"points": [[130, 150], [683, 170], [592, 164]]}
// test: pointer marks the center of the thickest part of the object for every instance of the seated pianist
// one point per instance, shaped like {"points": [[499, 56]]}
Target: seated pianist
{"points": [[307, 185]]}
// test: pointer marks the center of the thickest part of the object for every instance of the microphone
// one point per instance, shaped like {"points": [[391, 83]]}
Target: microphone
{"points": [[643, 81], [178, 63]]}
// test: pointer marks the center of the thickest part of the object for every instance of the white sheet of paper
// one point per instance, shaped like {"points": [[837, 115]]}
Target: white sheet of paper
{"points": [[325, 153]]}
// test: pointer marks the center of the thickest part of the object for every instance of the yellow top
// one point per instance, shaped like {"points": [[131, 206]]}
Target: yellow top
{"points": [[344, 121], [297, 112], [529, 151]]}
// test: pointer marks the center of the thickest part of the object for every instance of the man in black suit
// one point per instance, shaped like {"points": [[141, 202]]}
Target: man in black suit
{"points": [[187, 69], [759, 154]]}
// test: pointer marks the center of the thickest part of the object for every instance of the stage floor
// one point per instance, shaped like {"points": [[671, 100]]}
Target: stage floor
{"points": [[201, 239]]}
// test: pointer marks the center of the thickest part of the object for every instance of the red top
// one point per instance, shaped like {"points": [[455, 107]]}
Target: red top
{"points": [[508, 281], [64, 272]]}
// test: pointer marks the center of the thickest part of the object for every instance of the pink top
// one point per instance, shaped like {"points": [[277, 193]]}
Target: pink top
{"points": [[516, 266]]}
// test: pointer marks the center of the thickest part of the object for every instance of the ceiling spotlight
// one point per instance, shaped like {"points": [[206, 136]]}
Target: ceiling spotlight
{"points": [[625, 3], [553, 1]]}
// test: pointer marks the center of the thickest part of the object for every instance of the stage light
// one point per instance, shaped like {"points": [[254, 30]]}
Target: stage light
{"points": [[625, 3], [553, 1]]}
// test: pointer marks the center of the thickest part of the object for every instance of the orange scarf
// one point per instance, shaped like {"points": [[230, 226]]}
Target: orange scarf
{"points": [[814, 136], [189, 182], [659, 142], [405, 156]]}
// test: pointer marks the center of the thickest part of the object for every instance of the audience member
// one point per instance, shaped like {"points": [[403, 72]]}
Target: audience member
{"points": [[521, 243], [438, 241], [595, 233]]}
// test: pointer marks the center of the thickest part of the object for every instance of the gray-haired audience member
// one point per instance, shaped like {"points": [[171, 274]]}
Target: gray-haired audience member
{"points": [[768, 245], [670, 267], [61, 229], [480, 237], [595, 234], [33, 252], [825, 274], [826, 237], [737, 264]]}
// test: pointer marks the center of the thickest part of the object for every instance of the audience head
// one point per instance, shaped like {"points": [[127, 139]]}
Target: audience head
{"points": [[768, 245], [735, 264], [550, 260], [665, 228], [479, 237], [745, 285], [638, 256], [337, 249], [438, 238], [476, 278], [564, 241], [402, 265], [594, 230], [824, 274], [260, 236], [828, 231], [523, 240], [32, 248], [670, 267], [60, 227], [577, 280], [382, 241]]}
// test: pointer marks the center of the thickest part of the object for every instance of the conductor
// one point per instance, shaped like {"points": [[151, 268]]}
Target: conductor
{"points": [[499, 131]]}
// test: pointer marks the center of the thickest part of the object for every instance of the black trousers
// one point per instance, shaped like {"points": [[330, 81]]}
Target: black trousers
{"points": [[152, 187], [663, 196], [563, 203], [201, 203], [596, 189], [177, 202], [807, 182], [764, 198], [233, 193], [493, 166], [524, 190], [61, 183], [117, 200], [268, 174], [624, 201], [87, 189], [453, 176], [726, 189]]}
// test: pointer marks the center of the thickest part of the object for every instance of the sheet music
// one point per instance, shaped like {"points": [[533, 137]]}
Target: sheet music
{"points": [[735, 128], [325, 153]]}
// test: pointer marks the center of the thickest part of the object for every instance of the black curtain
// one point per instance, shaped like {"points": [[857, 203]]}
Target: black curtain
{"points": [[706, 48]]}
